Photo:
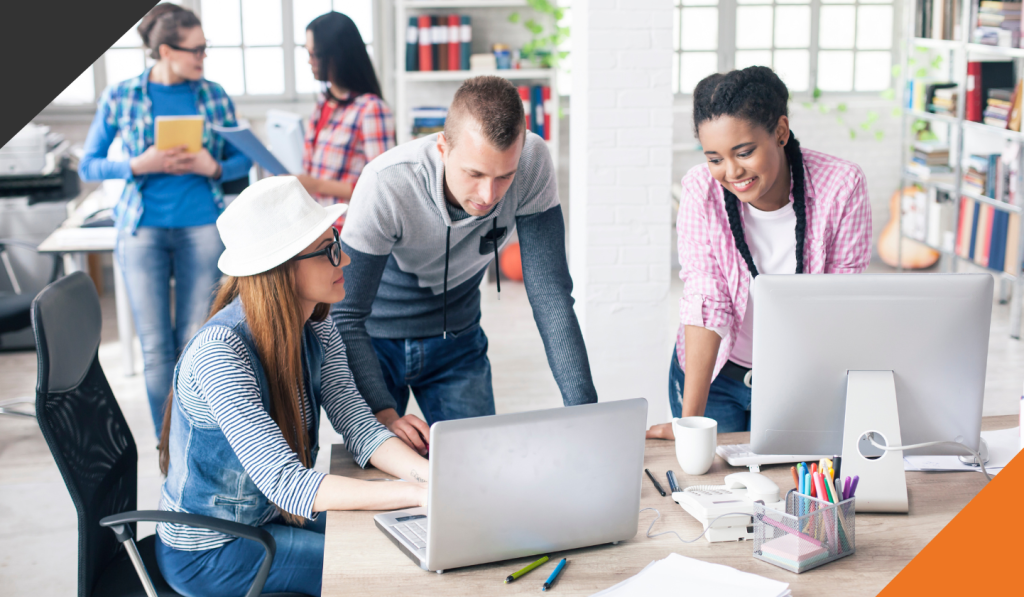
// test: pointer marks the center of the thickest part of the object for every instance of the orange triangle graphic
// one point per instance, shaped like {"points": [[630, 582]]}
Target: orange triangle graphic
{"points": [[980, 552]]}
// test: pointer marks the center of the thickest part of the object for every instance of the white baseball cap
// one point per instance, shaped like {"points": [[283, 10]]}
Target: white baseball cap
{"points": [[269, 223]]}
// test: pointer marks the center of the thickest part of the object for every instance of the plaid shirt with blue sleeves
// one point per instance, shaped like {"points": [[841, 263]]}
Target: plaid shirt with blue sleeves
{"points": [[127, 106]]}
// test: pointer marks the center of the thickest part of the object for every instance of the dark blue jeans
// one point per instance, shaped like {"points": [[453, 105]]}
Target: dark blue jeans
{"points": [[149, 259], [229, 570], [451, 378], [728, 399]]}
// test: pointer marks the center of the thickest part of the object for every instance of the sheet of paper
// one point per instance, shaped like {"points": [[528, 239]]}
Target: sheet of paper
{"points": [[1003, 445], [665, 577]]}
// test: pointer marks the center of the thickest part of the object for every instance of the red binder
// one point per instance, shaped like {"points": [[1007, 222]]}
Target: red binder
{"points": [[524, 94], [426, 43], [975, 103], [548, 109], [454, 42]]}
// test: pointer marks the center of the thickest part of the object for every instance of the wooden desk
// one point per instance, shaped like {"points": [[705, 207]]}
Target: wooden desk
{"points": [[359, 559]]}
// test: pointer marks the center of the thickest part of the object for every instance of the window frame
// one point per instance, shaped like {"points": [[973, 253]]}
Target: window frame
{"points": [[290, 97], [727, 44]]}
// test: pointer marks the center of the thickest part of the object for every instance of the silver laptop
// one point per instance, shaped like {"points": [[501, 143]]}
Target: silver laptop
{"points": [[523, 484]]}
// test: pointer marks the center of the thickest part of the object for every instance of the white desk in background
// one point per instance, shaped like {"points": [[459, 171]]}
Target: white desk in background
{"points": [[74, 241]]}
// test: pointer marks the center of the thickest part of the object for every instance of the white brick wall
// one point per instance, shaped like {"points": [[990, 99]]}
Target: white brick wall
{"points": [[620, 194]]}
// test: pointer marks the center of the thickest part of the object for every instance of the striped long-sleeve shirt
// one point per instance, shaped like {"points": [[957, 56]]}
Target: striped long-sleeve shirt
{"points": [[217, 387]]}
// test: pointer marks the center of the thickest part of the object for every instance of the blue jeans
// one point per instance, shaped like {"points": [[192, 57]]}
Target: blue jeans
{"points": [[149, 259], [728, 399], [229, 570], [451, 378]]}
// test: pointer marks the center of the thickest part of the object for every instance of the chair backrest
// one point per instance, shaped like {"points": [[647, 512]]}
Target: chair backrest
{"points": [[80, 419]]}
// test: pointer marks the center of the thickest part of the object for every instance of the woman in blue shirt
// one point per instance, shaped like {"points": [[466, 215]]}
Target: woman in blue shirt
{"points": [[172, 198]]}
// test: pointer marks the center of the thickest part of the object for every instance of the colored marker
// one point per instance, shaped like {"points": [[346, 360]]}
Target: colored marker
{"points": [[655, 481], [551, 579], [846, 489], [814, 470], [515, 575], [853, 486], [796, 480], [672, 481]]}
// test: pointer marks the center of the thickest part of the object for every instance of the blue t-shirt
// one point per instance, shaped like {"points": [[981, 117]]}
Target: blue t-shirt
{"points": [[169, 200]]}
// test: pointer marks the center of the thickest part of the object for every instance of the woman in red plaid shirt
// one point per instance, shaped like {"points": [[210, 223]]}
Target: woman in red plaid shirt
{"points": [[351, 124]]}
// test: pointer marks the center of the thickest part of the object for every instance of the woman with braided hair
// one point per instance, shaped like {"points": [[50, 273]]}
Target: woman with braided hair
{"points": [[760, 205]]}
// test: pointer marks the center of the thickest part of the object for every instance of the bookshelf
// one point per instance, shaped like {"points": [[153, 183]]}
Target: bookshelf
{"points": [[958, 52], [412, 87]]}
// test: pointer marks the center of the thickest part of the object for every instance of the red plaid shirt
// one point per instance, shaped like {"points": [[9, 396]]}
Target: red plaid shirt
{"points": [[359, 129]]}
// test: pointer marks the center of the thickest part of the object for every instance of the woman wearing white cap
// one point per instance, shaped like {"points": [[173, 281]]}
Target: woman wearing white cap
{"points": [[240, 432]]}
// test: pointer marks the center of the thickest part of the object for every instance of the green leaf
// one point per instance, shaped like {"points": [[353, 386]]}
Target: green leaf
{"points": [[872, 116], [513, 18], [918, 126], [898, 68], [889, 94], [841, 107], [865, 126], [840, 120], [879, 135], [559, 14], [937, 61], [853, 134], [532, 26], [921, 73], [807, 105], [823, 108], [816, 93], [897, 112]]}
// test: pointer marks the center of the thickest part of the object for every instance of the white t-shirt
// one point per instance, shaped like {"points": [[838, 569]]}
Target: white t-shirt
{"points": [[771, 237]]}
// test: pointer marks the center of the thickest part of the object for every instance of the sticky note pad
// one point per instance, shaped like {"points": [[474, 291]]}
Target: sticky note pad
{"points": [[792, 548]]}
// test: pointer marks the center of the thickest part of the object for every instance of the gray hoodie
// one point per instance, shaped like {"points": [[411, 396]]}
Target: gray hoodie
{"points": [[417, 263]]}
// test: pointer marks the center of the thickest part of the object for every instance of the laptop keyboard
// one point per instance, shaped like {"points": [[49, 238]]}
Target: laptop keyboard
{"points": [[414, 531]]}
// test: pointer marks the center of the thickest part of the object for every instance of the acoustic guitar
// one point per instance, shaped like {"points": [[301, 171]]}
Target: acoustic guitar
{"points": [[915, 254]]}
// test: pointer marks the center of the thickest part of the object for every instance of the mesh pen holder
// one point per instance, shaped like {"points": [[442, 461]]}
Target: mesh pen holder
{"points": [[811, 532]]}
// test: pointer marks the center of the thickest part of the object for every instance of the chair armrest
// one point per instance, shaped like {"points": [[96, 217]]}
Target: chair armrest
{"points": [[119, 524]]}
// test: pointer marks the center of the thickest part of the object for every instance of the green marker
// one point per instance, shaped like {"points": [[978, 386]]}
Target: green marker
{"points": [[515, 575]]}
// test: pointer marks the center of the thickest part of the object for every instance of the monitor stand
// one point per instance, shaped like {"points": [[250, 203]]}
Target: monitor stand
{"points": [[871, 406]]}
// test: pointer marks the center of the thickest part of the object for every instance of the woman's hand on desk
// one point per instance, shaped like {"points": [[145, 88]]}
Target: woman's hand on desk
{"points": [[661, 431]]}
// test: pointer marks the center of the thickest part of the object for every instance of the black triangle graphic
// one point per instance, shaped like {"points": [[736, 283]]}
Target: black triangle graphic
{"points": [[47, 44]]}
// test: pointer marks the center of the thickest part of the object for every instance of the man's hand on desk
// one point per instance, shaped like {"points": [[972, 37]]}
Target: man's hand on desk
{"points": [[411, 429], [661, 431]]}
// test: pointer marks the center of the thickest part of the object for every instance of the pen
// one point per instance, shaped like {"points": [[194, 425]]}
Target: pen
{"points": [[655, 481], [672, 481], [846, 489], [515, 575], [796, 480], [814, 469], [558, 569], [853, 486]]}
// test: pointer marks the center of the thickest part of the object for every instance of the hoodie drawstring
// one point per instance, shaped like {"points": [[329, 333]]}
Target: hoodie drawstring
{"points": [[497, 271], [447, 254]]}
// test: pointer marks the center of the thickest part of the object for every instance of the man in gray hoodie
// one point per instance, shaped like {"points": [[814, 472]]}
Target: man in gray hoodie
{"points": [[425, 221]]}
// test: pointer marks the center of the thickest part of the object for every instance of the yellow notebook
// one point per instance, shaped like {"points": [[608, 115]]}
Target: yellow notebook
{"points": [[175, 131]]}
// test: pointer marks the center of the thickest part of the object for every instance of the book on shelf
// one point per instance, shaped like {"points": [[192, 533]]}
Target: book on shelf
{"points": [[925, 95], [981, 78], [538, 107], [443, 43], [980, 173], [997, 24], [427, 120], [937, 19]]}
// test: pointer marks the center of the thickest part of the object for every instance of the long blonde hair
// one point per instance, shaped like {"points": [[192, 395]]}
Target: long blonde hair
{"points": [[274, 317]]}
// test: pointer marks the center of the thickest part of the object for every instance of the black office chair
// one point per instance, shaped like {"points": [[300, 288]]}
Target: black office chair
{"points": [[95, 452], [16, 309]]}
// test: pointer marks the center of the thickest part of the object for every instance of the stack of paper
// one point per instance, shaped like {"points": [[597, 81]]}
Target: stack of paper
{"points": [[1003, 445], [669, 576], [794, 552]]}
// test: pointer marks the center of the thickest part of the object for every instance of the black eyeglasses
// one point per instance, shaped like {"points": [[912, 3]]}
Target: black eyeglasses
{"points": [[197, 51], [333, 252]]}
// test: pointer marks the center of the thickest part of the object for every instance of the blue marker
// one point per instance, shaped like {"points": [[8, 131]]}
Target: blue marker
{"points": [[551, 579]]}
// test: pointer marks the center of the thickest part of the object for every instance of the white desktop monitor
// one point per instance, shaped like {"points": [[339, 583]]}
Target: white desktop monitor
{"points": [[930, 330]]}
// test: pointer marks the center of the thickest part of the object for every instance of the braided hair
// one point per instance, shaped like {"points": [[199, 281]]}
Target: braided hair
{"points": [[755, 94]]}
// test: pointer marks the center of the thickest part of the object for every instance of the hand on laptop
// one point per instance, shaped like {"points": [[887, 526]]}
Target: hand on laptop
{"points": [[411, 429], [661, 431]]}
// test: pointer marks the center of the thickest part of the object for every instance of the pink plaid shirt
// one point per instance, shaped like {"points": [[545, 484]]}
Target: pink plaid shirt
{"points": [[358, 131], [717, 281]]}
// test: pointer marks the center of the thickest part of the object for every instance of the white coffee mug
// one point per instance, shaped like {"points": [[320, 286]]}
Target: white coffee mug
{"points": [[696, 439]]}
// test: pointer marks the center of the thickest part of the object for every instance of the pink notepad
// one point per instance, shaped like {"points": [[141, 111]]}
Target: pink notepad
{"points": [[792, 548]]}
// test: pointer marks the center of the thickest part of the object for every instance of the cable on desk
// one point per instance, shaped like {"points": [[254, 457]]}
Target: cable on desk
{"points": [[977, 456], [650, 536]]}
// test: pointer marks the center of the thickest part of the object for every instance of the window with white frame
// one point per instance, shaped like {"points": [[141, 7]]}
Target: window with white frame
{"points": [[248, 46], [830, 45]]}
